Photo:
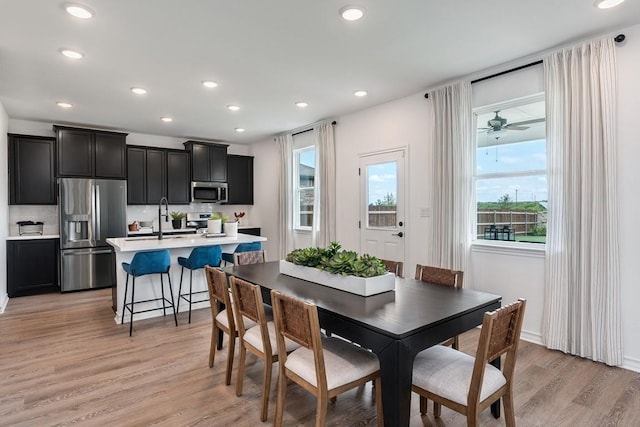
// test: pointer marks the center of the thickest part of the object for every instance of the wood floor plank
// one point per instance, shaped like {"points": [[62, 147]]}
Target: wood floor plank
{"points": [[64, 362]]}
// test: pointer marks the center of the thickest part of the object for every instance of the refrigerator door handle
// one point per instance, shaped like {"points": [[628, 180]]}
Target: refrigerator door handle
{"points": [[73, 252], [98, 202]]}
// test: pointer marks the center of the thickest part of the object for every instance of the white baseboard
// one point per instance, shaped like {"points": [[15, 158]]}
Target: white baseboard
{"points": [[4, 300], [531, 337], [631, 364]]}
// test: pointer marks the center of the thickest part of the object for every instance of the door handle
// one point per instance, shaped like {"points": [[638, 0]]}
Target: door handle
{"points": [[399, 234]]}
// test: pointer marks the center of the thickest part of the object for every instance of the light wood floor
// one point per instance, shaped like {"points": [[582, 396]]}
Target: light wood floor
{"points": [[63, 361]]}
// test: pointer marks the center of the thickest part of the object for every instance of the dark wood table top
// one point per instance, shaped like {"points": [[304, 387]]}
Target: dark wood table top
{"points": [[413, 305]]}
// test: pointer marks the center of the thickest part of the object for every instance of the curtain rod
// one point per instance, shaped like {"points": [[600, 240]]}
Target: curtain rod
{"points": [[618, 39], [310, 129]]}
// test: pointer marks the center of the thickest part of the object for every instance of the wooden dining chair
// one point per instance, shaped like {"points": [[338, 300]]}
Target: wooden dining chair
{"points": [[223, 320], [249, 257], [469, 385], [259, 340], [325, 367], [441, 276], [395, 267]]}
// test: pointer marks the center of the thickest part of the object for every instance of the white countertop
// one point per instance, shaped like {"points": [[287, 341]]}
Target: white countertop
{"points": [[34, 237], [169, 231], [135, 244]]}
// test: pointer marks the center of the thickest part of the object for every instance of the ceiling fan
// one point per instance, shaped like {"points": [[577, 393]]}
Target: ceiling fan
{"points": [[499, 124]]}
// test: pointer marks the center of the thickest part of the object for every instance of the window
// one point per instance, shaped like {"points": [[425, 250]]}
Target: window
{"points": [[511, 171], [304, 187]]}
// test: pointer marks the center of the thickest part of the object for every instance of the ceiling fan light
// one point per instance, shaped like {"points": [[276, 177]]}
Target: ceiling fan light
{"points": [[607, 4], [351, 13]]}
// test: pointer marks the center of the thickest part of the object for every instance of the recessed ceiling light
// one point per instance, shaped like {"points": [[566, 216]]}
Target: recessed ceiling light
{"points": [[64, 104], [209, 84], [73, 54], [239, 130], [360, 93], [233, 107], [607, 4], [79, 11], [166, 119], [301, 104], [138, 90], [351, 13]]}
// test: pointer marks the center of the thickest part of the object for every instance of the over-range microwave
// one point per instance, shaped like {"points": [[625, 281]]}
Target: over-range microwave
{"points": [[208, 192]]}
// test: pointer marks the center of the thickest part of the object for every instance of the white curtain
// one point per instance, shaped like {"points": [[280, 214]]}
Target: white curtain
{"points": [[285, 195], [452, 170], [324, 207], [582, 287]]}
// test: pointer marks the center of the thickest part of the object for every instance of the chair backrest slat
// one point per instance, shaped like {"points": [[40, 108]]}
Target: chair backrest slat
{"points": [[249, 257], [218, 292], [440, 276], [396, 267], [245, 296]]}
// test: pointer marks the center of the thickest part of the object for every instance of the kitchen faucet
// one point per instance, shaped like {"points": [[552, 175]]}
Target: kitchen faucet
{"points": [[160, 215]]}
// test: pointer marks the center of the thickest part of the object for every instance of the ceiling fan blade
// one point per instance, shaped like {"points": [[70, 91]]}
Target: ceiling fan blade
{"points": [[527, 122], [511, 127]]}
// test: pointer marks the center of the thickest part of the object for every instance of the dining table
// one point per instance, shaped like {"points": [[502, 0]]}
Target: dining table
{"points": [[395, 325]]}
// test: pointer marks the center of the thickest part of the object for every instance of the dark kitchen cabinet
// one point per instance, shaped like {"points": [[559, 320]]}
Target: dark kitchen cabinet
{"points": [[90, 153], [22, 278], [153, 173], [208, 161], [178, 177], [136, 176], [32, 170], [254, 231], [240, 180], [156, 175]]}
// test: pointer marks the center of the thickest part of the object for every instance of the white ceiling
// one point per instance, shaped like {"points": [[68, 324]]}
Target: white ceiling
{"points": [[265, 55]]}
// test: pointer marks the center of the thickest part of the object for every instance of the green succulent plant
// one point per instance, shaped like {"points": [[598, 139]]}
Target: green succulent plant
{"points": [[177, 215], [332, 260], [218, 215]]}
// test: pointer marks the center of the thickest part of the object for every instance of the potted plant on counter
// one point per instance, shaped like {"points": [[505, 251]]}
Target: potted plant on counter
{"points": [[214, 224], [176, 219]]}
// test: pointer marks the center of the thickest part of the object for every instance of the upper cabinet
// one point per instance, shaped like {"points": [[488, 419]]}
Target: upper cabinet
{"points": [[90, 153], [240, 179], [208, 161], [31, 170], [178, 177], [153, 173]]}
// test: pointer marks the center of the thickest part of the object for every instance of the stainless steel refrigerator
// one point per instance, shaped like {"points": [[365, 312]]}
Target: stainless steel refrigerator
{"points": [[91, 210]]}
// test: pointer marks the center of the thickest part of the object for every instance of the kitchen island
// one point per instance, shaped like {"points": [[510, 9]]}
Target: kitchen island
{"points": [[148, 287]]}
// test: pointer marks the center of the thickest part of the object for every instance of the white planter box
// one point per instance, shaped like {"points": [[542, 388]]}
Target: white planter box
{"points": [[356, 285]]}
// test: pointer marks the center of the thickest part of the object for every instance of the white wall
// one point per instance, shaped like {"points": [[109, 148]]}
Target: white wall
{"points": [[508, 273], [4, 205]]}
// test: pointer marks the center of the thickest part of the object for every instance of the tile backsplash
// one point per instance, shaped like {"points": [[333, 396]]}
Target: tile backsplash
{"points": [[45, 213], [49, 214]]}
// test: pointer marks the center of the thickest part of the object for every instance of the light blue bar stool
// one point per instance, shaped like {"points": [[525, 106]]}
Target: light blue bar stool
{"points": [[242, 247], [199, 257], [143, 263]]}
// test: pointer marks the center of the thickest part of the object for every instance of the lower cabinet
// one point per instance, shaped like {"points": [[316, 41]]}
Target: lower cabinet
{"points": [[32, 267], [255, 231]]}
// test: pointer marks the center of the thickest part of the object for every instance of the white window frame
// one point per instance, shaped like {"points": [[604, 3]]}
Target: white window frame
{"points": [[533, 247], [297, 189]]}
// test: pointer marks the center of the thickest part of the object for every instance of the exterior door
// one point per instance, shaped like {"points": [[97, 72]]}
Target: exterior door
{"points": [[382, 204]]}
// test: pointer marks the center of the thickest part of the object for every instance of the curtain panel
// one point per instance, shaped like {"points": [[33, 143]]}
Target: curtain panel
{"points": [[324, 206], [582, 286], [285, 195], [452, 176]]}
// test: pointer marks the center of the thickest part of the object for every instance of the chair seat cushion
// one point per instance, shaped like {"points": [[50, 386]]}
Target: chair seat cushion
{"points": [[447, 373], [253, 336], [224, 320], [344, 363]]}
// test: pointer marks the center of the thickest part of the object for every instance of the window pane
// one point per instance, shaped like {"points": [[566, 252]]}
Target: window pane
{"points": [[306, 168], [382, 188], [517, 203], [511, 157], [306, 208]]}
